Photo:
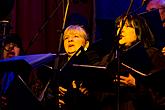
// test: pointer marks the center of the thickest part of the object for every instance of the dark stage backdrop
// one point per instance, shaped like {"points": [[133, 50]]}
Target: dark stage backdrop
{"points": [[28, 16]]}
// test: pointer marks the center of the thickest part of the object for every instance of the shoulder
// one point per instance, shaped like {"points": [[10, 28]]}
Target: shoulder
{"points": [[152, 51], [156, 56]]}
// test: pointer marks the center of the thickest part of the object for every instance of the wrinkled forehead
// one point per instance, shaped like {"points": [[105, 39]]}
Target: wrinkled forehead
{"points": [[75, 31]]}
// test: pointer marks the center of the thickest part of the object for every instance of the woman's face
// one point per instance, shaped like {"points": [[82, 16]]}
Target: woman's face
{"points": [[10, 50], [127, 35], [73, 40]]}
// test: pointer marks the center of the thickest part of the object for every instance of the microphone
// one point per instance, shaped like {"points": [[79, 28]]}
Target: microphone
{"points": [[4, 26]]}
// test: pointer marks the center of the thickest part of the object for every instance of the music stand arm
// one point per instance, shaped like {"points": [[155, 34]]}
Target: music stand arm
{"points": [[61, 36]]}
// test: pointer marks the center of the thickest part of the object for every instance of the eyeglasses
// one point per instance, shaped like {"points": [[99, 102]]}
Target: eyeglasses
{"points": [[10, 46]]}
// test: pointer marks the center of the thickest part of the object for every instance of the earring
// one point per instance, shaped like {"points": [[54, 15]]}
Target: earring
{"points": [[85, 49]]}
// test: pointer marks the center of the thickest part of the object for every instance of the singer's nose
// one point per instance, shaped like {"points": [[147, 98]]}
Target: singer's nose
{"points": [[70, 39]]}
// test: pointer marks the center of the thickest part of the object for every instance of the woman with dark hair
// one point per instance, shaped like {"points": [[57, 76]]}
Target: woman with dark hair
{"points": [[140, 26], [128, 63], [11, 47]]}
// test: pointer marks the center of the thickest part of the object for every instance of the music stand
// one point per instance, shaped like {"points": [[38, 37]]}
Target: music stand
{"points": [[80, 72], [21, 97], [155, 80]]}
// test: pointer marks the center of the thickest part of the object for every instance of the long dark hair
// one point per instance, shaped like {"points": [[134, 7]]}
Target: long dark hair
{"points": [[142, 29], [14, 38]]}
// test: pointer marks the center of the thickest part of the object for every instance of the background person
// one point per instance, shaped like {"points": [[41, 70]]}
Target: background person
{"points": [[12, 47]]}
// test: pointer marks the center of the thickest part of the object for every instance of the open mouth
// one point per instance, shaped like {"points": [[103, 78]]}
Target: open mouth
{"points": [[121, 36], [70, 45], [71, 52]]}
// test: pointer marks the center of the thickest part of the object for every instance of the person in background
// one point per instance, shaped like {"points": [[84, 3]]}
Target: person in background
{"points": [[157, 4], [11, 47]]}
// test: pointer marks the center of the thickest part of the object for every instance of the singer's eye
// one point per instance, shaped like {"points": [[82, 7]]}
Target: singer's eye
{"points": [[10, 46], [76, 36], [128, 25], [65, 38]]}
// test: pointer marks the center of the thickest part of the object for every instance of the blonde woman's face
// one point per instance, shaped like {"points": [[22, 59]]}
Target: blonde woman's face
{"points": [[128, 34], [73, 40]]}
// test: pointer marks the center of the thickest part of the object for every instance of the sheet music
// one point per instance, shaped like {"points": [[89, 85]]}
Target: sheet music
{"points": [[34, 60]]}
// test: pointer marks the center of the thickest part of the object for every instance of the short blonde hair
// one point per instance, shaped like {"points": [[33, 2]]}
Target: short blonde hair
{"points": [[77, 29]]}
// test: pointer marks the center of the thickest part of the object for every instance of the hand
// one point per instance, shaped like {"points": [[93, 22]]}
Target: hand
{"points": [[62, 92], [163, 50], [3, 102], [127, 81], [61, 102], [82, 89]]}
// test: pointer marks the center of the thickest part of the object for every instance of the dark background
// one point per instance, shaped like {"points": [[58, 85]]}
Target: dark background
{"points": [[27, 17]]}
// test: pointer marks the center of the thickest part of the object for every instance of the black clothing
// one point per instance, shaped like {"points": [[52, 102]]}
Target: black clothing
{"points": [[135, 57], [152, 89], [74, 99]]}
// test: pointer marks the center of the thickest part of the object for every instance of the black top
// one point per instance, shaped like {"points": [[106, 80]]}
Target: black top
{"points": [[74, 99]]}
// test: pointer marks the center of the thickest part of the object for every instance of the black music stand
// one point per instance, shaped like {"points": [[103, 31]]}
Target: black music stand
{"points": [[101, 76], [155, 80], [77, 69], [21, 97], [98, 77]]}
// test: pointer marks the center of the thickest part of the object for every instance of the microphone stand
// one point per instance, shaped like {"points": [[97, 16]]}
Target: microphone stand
{"points": [[61, 36], [56, 63], [117, 54]]}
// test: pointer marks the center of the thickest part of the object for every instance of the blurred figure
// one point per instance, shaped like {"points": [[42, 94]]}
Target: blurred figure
{"points": [[160, 5], [12, 46]]}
